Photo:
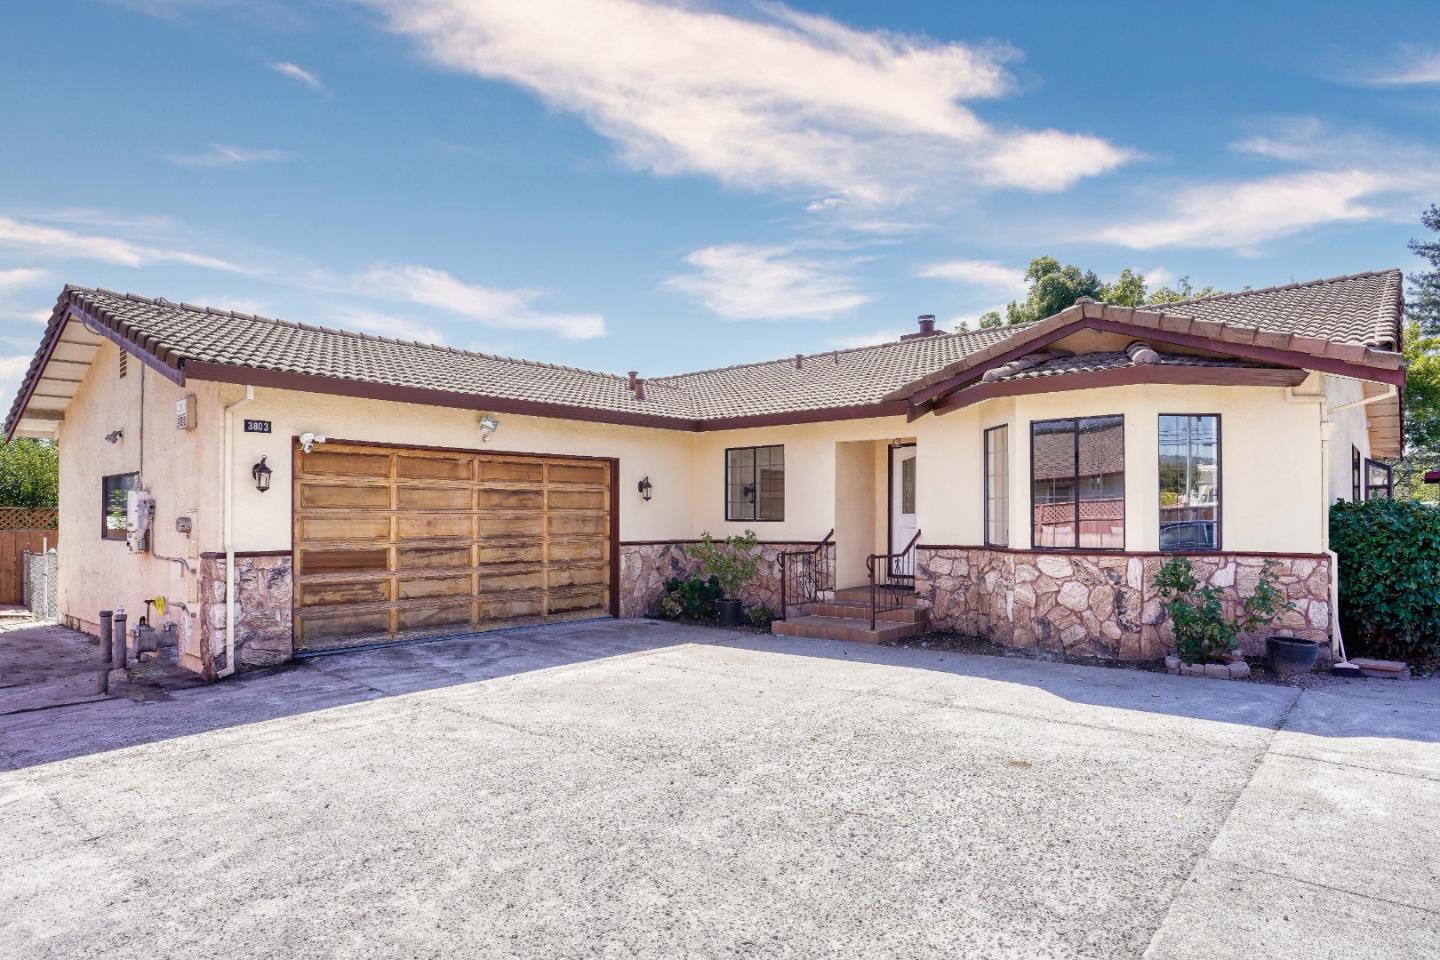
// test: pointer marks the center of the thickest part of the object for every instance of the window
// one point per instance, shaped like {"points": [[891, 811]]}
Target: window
{"points": [[1077, 483], [997, 486], [1189, 482], [1356, 476], [112, 503], [907, 485], [755, 483], [1379, 481]]}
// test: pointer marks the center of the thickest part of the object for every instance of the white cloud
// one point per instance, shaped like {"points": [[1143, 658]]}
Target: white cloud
{"points": [[978, 273], [781, 100], [749, 282], [490, 307], [1239, 214], [873, 338], [225, 155], [37, 240], [18, 278], [824, 203], [1415, 66], [298, 73]]}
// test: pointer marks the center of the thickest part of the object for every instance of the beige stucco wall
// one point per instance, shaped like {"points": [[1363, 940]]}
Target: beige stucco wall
{"points": [[1350, 430], [177, 468]]}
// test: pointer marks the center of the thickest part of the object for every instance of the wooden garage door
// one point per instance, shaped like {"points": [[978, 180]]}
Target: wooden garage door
{"points": [[394, 543]]}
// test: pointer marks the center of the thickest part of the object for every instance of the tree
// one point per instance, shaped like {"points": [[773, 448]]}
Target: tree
{"points": [[1127, 291], [990, 318], [1182, 290], [29, 474], [1422, 370], [1052, 289]]}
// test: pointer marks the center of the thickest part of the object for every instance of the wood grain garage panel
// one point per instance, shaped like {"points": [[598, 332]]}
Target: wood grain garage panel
{"points": [[395, 542]]}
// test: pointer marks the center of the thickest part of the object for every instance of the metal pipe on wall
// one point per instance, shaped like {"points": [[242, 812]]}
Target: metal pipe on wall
{"points": [[228, 520]]}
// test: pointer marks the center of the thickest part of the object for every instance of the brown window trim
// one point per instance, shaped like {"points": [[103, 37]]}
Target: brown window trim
{"points": [[1357, 475], [1219, 486], [105, 532], [1031, 519], [1388, 486], [985, 482], [725, 491]]}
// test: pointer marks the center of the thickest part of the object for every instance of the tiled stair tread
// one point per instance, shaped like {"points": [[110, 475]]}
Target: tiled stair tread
{"points": [[862, 595], [843, 628], [861, 611]]}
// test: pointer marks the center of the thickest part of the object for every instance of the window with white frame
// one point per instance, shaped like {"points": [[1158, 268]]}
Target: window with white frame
{"points": [[997, 486]]}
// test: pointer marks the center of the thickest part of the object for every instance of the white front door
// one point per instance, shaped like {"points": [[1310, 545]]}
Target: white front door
{"points": [[902, 501]]}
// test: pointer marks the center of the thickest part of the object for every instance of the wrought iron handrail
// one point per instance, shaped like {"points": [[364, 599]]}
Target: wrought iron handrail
{"points": [[804, 574], [890, 579]]}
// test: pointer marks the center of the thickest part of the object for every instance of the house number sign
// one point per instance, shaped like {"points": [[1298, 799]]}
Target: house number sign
{"points": [[257, 426]]}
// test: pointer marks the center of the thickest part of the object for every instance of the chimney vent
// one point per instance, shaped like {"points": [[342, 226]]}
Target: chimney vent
{"points": [[639, 389], [799, 360], [927, 328], [634, 375]]}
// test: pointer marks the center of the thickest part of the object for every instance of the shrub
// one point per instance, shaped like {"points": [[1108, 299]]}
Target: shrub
{"points": [[689, 598], [1202, 631], [760, 617], [731, 561], [1389, 554]]}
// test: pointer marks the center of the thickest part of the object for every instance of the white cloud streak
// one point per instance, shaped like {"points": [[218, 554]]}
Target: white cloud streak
{"points": [[871, 339], [782, 100], [299, 74], [977, 273], [1414, 66], [226, 155], [18, 278], [490, 307], [37, 240], [749, 282]]}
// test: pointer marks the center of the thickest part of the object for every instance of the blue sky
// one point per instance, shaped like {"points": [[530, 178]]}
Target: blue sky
{"points": [[621, 184]]}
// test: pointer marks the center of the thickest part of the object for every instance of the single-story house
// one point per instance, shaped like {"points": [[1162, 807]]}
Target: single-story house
{"points": [[292, 488]]}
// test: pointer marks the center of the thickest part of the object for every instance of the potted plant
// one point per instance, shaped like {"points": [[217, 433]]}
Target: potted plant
{"points": [[1203, 634], [733, 563]]}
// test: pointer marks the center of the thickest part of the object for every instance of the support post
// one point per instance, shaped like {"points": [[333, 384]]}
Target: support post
{"points": [[107, 654], [120, 652]]}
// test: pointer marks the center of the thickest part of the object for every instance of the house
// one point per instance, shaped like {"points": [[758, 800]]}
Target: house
{"points": [[1024, 482]]}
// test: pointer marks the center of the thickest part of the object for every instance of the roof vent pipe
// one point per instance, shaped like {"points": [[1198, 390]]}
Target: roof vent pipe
{"points": [[639, 389], [799, 360], [634, 375]]}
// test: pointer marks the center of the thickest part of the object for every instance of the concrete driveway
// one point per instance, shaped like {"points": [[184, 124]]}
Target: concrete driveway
{"points": [[644, 790]]}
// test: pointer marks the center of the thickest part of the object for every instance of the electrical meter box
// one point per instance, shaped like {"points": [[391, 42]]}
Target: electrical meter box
{"points": [[139, 513]]}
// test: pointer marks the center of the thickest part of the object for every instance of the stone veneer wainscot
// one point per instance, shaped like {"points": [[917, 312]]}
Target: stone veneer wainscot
{"points": [[644, 568], [1102, 604], [264, 601]]}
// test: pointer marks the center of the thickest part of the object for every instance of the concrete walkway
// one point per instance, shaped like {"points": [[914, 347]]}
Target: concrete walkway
{"points": [[645, 790]]}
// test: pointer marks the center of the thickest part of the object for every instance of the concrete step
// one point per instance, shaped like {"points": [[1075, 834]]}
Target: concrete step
{"points": [[843, 628], [906, 598], [861, 611]]}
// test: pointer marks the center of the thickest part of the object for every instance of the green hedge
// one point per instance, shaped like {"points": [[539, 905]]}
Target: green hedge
{"points": [[1389, 577]]}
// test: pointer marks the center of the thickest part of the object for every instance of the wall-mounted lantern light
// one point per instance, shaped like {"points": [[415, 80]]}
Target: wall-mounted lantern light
{"points": [[488, 426], [645, 487], [261, 473], [114, 436]]}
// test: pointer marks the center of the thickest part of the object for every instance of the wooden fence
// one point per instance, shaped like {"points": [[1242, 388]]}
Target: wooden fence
{"points": [[22, 529]]}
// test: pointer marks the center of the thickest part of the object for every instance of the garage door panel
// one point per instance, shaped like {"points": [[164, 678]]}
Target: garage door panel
{"points": [[411, 588], [333, 463], [329, 594], [513, 499], [430, 526], [432, 498], [398, 542], [433, 467], [344, 496], [347, 526], [343, 560], [517, 471]]}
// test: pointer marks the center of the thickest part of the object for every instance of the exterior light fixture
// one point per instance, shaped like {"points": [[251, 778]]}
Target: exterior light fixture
{"points": [[645, 487], [308, 440], [261, 473], [488, 426], [114, 436]]}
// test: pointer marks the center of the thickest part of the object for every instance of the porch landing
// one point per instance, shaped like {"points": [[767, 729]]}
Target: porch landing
{"points": [[846, 616]]}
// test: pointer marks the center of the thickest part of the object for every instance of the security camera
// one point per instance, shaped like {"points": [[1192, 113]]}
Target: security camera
{"points": [[308, 440]]}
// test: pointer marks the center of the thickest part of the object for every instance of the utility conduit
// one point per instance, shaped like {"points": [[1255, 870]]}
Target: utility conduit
{"points": [[228, 521]]}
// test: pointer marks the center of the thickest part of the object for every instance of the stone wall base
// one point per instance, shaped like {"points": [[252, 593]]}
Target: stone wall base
{"points": [[1102, 604], [644, 568], [264, 596]]}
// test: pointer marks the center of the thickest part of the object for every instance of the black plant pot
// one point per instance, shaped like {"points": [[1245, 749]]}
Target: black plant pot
{"points": [[729, 612], [1289, 656]]}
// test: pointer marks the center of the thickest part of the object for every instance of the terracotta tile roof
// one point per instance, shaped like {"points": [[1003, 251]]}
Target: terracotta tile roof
{"points": [[1094, 362], [1356, 318]]}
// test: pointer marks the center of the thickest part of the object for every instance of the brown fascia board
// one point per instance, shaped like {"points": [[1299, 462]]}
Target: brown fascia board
{"points": [[1119, 377], [976, 364]]}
